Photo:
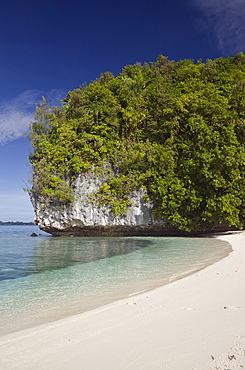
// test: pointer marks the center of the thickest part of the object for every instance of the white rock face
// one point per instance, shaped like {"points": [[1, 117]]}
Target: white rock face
{"points": [[85, 213]]}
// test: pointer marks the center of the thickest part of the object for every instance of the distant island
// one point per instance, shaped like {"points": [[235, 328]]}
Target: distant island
{"points": [[15, 223]]}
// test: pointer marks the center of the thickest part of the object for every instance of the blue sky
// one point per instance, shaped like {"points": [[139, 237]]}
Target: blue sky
{"points": [[49, 47]]}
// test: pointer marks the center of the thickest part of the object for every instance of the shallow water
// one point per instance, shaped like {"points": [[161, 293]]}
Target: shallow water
{"points": [[46, 278]]}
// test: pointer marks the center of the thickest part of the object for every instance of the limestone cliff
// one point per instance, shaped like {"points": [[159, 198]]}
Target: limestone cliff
{"points": [[84, 217]]}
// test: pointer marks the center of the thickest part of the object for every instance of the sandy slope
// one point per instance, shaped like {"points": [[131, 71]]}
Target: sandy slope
{"points": [[194, 323]]}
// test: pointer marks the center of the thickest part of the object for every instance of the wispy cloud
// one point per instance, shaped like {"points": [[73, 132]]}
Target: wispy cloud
{"points": [[17, 113], [223, 22]]}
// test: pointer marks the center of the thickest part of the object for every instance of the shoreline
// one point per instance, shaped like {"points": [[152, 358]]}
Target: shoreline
{"points": [[196, 322], [56, 309]]}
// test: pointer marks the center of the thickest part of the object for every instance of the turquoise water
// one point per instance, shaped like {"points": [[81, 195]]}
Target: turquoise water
{"points": [[45, 278]]}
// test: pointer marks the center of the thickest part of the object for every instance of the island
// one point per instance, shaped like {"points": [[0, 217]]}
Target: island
{"points": [[157, 150], [15, 223]]}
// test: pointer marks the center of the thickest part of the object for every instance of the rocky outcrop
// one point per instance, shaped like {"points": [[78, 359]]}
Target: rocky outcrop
{"points": [[86, 218]]}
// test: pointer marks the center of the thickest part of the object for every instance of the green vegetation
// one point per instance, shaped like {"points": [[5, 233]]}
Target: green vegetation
{"points": [[175, 128]]}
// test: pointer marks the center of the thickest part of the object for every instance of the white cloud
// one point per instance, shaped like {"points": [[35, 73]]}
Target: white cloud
{"points": [[223, 21], [16, 114]]}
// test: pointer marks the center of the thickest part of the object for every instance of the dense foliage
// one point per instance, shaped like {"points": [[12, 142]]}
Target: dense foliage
{"points": [[176, 128]]}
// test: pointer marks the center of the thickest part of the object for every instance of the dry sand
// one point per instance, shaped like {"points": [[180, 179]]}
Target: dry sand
{"points": [[197, 322]]}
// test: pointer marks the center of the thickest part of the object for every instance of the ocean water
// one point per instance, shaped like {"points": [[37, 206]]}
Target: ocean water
{"points": [[45, 278]]}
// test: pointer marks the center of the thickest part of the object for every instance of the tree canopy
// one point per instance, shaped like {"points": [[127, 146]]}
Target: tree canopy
{"points": [[174, 128]]}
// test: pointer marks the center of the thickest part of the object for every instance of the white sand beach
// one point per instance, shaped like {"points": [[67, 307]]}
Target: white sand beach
{"points": [[197, 322]]}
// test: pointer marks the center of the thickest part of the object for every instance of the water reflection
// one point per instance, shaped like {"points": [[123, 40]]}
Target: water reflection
{"points": [[57, 253]]}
